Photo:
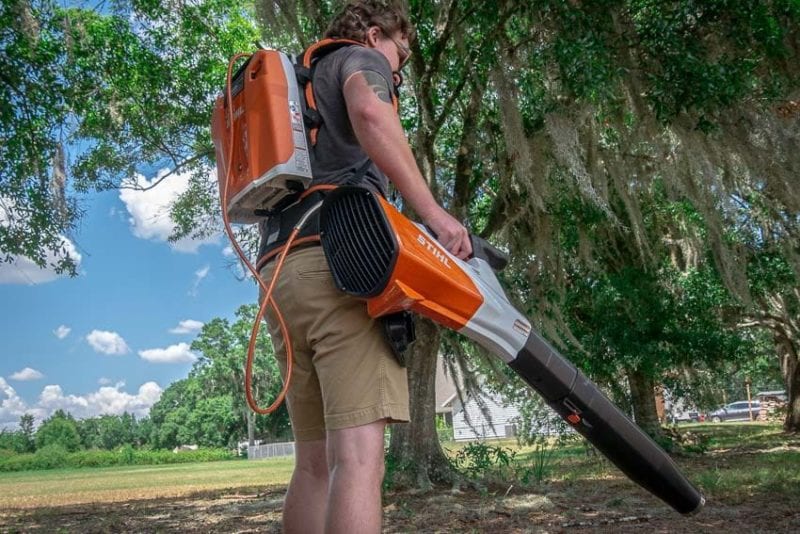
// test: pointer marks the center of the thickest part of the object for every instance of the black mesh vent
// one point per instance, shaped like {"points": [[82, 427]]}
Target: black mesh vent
{"points": [[358, 242]]}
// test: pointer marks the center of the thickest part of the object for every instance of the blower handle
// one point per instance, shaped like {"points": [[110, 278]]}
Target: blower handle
{"points": [[496, 258]]}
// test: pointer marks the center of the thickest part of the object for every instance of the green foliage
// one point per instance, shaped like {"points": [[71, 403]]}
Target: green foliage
{"points": [[652, 321], [745, 39], [443, 430], [223, 351], [127, 454], [59, 430], [92, 458], [32, 110], [170, 413], [208, 407], [56, 457], [110, 431], [486, 464], [395, 470], [481, 461], [14, 442], [542, 461], [130, 84], [26, 429], [50, 456]]}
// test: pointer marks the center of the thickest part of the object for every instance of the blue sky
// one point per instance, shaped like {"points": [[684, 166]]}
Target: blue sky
{"points": [[112, 338]]}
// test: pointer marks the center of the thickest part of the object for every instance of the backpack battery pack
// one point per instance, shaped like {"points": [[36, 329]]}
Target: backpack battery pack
{"points": [[269, 159]]}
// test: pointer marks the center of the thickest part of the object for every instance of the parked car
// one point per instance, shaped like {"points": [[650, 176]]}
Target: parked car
{"points": [[736, 411], [687, 416]]}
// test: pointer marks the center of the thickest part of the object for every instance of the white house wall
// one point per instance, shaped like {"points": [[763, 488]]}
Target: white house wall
{"points": [[501, 420]]}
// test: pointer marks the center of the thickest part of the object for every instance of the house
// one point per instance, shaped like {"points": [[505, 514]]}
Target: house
{"points": [[468, 420], [471, 423], [445, 391]]}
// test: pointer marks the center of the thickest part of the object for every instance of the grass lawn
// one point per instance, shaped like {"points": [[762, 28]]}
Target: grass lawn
{"points": [[750, 475], [32, 489]]}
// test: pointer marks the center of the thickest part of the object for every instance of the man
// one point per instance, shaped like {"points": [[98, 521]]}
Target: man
{"points": [[346, 384]]}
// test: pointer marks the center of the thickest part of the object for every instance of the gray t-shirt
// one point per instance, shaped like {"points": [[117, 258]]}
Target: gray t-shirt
{"points": [[338, 154]]}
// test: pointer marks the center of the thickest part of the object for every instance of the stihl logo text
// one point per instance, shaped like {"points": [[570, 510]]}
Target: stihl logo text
{"points": [[433, 249]]}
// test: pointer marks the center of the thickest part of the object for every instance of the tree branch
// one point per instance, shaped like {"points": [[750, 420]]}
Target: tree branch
{"points": [[178, 167]]}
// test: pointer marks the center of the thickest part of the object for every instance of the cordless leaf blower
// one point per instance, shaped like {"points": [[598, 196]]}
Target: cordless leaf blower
{"points": [[377, 254]]}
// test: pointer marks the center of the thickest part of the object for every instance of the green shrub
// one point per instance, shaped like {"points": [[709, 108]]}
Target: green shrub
{"points": [[51, 457], [478, 460], [541, 461], [93, 458], [58, 430], [395, 474], [443, 430], [127, 454], [19, 462], [54, 456]]}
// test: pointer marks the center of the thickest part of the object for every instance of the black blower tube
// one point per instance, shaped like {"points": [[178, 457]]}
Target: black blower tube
{"points": [[575, 398]]}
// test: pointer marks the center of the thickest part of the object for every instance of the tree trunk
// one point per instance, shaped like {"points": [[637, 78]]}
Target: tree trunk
{"points": [[251, 427], [643, 400], [790, 365], [415, 451]]}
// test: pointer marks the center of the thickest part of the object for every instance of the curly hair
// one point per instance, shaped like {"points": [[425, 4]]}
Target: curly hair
{"points": [[357, 16]]}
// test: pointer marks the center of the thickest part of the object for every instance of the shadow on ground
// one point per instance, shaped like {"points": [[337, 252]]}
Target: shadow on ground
{"points": [[605, 505]]}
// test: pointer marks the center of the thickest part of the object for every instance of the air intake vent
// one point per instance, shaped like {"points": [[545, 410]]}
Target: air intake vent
{"points": [[358, 241]]}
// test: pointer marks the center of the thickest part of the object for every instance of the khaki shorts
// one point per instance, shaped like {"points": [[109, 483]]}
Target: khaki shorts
{"points": [[344, 373]]}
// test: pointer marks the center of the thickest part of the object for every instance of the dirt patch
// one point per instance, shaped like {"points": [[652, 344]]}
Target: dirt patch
{"points": [[613, 505]]}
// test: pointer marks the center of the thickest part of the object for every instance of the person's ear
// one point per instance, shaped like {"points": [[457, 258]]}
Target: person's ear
{"points": [[373, 33]]}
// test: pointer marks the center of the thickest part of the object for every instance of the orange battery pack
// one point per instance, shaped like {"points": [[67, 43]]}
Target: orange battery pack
{"points": [[270, 157]]}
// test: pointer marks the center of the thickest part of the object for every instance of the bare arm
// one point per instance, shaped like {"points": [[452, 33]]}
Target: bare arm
{"points": [[381, 135]]}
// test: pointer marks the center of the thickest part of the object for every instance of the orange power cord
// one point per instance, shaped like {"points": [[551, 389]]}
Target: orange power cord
{"points": [[267, 291]]}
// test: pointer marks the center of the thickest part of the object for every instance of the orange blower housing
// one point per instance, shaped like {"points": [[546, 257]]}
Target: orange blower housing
{"points": [[422, 273], [270, 158]]}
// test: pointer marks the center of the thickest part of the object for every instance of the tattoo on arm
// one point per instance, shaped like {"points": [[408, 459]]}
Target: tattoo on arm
{"points": [[378, 84]]}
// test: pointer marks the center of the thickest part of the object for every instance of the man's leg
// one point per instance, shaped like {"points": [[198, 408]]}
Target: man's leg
{"points": [[355, 460], [304, 505]]}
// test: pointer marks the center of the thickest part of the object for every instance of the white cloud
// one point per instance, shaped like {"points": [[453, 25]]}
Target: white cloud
{"points": [[106, 400], [104, 381], [149, 210], [62, 331], [107, 342], [189, 326], [26, 375], [179, 353], [199, 276], [22, 270], [202, 273], [12, 406]]}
